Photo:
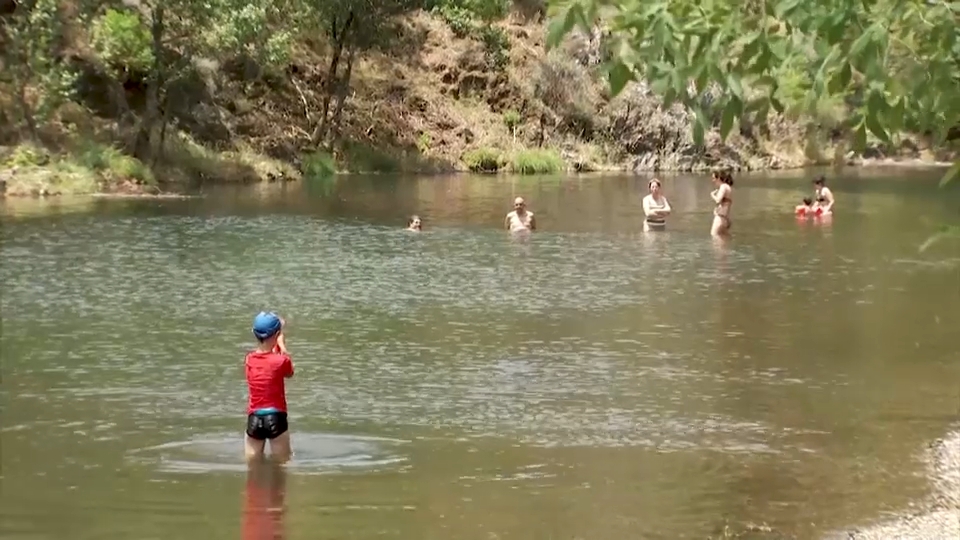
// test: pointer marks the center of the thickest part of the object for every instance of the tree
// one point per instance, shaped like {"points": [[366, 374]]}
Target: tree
{"points": [[895, 64], [30, 34], [167, 38], [352, 26]]}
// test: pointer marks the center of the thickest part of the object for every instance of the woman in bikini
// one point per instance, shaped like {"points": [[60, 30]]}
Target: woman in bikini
{"points": [[723, 197], [655, 207]]}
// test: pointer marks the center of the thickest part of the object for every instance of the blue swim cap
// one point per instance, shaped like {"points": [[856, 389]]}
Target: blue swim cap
{"points": [[265, 325]]}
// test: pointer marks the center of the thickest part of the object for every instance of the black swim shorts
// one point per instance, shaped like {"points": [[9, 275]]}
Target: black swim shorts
{"points": [[266, 426]]}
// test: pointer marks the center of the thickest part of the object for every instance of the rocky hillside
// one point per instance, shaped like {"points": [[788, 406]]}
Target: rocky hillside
{"points": [[437, 101]]}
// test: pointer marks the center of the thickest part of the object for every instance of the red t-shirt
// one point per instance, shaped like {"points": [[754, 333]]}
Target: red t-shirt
{"points": [[266, 372]]}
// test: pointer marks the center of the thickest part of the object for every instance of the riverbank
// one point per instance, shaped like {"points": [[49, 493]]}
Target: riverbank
{"points": [[940, 518], [68, 178], [449, 100]]}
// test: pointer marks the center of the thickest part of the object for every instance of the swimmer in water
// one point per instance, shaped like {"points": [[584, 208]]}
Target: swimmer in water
{"points": [[823, 195], [655, 207], [807, 209], [414, 223], [520, 219], [267, 368], [723, 197]]}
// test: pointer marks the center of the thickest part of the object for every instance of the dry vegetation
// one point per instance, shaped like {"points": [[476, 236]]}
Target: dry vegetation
{"points": [[434, 102]]}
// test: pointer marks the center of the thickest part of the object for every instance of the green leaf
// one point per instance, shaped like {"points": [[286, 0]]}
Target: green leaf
{"points": [[896, 115], [698, 134], [951, 174], [715, 73], [619, 75], [876, 103], [763, 61], [660, 85], [841, 79], [730, 113], [872, 120], [861, 43], [751, 48], [733, 83], [669, 97], [784, 7], [860, 137], [561, 27], [777, 105], [946, 232]]}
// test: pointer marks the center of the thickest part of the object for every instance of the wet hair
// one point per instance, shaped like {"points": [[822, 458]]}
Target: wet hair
{"points": [[413, 218], [807, 201], [724, 175], [820, 180], [652, 182]]}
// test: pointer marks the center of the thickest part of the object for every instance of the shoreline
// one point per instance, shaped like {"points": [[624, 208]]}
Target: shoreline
{"points": [[150, 192], [939, 515]]}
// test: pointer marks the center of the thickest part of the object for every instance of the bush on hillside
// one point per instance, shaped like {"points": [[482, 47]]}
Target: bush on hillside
{"points": [[483, 160], [537, 161], [565, 87]]}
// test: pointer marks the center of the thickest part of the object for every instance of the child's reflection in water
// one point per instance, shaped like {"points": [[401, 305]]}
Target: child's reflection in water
{"points": [[264, 501]]}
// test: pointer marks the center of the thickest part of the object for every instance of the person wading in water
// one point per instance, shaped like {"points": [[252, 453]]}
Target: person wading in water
{"points": [[723, 197], [520, 219], [267, 367], [655, 207]]}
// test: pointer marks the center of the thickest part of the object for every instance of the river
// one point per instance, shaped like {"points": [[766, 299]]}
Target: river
{"points": [[590, 382]]}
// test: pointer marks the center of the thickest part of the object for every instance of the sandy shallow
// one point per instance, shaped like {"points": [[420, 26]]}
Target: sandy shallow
{"points": [[940, 518]]}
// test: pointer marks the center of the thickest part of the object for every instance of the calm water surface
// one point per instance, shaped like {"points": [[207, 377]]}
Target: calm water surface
{"points": [[588, 382]]}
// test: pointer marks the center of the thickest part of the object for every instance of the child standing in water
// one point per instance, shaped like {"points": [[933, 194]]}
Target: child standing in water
{"points": [[267, 368]]}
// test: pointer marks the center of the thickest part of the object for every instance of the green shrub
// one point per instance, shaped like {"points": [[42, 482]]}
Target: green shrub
{"points": [[113, 164], [122, 40], [483, 160], [318, 165], [459, 19], [496, 44], [536, 161], [27, 155], [423, 142], [512, 120], [361, 157]]}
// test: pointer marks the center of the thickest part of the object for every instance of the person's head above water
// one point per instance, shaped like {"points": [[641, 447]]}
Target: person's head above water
{"points": [[414, 223], [519, 204], [807, 201], [722, 176], [654, 185], [819, 181], [266, 326]]}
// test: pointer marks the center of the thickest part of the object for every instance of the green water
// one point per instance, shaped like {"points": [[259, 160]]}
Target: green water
{"points": [[590, 382]]}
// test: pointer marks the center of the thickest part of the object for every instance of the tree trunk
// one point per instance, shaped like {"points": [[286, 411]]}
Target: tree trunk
{"points": [[342, 91], [339, 36], [32, 130], [143, 148], [164, 121]]}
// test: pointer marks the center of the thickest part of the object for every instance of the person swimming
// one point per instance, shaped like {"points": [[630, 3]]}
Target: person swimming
{"points": [[806, 209], [655, 207], [809, 208], [723, 197], [414, 223]]}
